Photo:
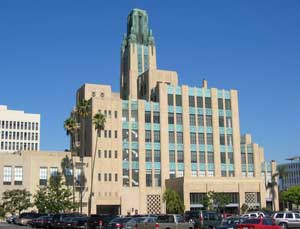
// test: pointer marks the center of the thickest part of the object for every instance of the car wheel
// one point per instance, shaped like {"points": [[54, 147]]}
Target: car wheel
{"points": [[283, 225]]}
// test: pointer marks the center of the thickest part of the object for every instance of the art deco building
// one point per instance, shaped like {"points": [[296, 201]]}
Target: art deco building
{"points": [[160, 134]]}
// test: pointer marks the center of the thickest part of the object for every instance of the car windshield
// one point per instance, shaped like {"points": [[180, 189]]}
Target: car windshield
{"points": [[231, 221], [251, 221]]}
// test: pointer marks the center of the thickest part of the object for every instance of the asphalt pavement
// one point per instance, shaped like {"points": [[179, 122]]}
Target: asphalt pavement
{"points": [[11, 226]]}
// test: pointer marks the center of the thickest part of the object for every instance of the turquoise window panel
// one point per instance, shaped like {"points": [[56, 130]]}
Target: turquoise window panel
{"points": [[269, 168], [200, 111], [178, 109], [193, 129], [210, 166], [202, 167], [156, 106], [157, 165], [172, 166], [134, 125], [191, 91], [148, 165], [134, 164], [221, 112], [228, 113], [194, 166], [134, 105], [147, 126], [178, 90], [147, 106], [125, 104], [148, 145], [222, 130], [223, 148], [210, 148], [244, 167], [125, 125], [125, 165], [179, 128], [263, 165], [209, 129], [180, 166], [171, 146], [171, 127], [208, 111], [125, 145], [207, 92], [170, 89], [250, 167], [229, 130], [171, 109], [156, 126], [249, 149], [223, 167], [230, 167], [229, 149], [220, 94], [193, 147], [156, 145], [199, 92], [179, 146], [134, 145], [200, 129], [202, 147], [227, 94], [243, 148], [192, 110]]}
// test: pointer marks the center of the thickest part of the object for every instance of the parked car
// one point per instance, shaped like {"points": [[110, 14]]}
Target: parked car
{"points": [[133, 223], [203, 219], [258, 223], [118, 223], [75, 222], [287, 219], [40, 222], [11, 219], [99, 221], [58, 219], [25, 218], [254, 215], [231, 222], [168, 221]]}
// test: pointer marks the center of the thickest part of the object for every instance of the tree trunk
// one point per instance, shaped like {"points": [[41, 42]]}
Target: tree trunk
{"points": [[92, 176], [73, 167]]}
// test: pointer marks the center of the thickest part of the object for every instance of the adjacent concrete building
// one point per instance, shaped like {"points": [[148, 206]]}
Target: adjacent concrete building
{"points": [[292, 170]]}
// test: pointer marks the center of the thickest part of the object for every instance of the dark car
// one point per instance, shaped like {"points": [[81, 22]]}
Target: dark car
{"points": [[25, 218], [41, 222], [231, 222], [75, 222], [99, 221], [118, 223], [11, 219], [203, 219], [58, 219]]}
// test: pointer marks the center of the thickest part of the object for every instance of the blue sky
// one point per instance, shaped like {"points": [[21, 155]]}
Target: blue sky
{"points": [[48, 49]]}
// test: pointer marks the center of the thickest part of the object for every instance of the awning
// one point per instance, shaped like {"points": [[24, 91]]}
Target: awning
{"points": [[196, 205]]}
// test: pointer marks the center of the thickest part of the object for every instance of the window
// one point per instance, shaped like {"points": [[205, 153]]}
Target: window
{"points": [[105, 153], [157, 178], [223, 173], [125, 135], [134, 136], [192, 120], [221, 121], [230, 157], [180, 173], [116, 134], [147, 117], [171, 137], [135, 178], [156, 136], [105, 133], [220, 104], [18, 175], [199, 101], [179, 138], [250, 158], [7, 175], [193, 139], [125, 156], [116, 177], [148, 136], [179, 119], [180, 158], [243, 158], [109, 177], [171, 118], [156, 156], [229, 139], [210, 173], [222, 139], [201, 138], [207, 102], [209, 139], [289, 216], [193, 157], [148, 178], [109, 154], [116, 114], [99, 176], [172, 156], [178, 100], [202, 157], [210, 157], [170, 100], [134, 155], [116, 154], [109, 133], [227, 104], [148, 156], [202, 173], [156, 117], [223, 157], [125, 115], [191, 101], [126, 177], [43, 176], [200, 120], [172, 174], [105, 176], [208, 120], [228, 122], [53, 171]]}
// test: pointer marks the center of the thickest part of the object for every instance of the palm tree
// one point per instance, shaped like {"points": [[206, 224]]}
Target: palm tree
{"points": [[83, 111], [99, 123], [71, 127]]}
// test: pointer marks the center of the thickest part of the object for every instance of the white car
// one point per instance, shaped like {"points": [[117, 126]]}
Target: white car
{"points": [[253, 215]]}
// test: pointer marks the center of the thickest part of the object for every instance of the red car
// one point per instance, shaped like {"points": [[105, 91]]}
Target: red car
{"points": [[258, 223]]}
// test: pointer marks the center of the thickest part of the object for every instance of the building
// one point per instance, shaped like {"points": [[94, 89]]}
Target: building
{"points": [[292, 170], [19, 130], [160, 134]]}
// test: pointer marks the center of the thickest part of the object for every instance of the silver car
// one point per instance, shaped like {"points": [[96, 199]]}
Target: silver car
{"points": [[287, 219]]}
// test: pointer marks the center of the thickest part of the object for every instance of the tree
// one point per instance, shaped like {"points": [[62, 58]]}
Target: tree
{"points": [[219, 200], [173, 201], [16, 200], [292, 195], [2, 211], [99, 123], [54, 198], [83, 111], [244, 208]]}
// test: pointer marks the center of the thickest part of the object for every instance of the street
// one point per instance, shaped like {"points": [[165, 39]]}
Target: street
{"points": [[10, 226]]}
